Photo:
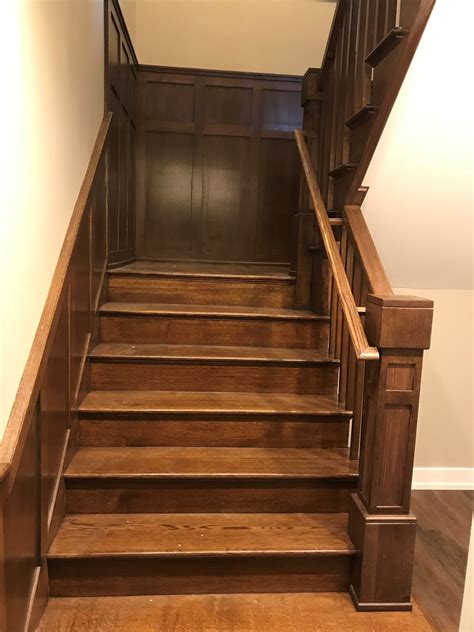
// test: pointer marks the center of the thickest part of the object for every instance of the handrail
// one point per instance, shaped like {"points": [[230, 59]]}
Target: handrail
{"points": [[23, 406], [377, 278], [362, 349]]}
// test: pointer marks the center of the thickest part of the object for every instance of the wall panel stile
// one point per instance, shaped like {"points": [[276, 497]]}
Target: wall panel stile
{"points": [[217, 164], [121, 95]]}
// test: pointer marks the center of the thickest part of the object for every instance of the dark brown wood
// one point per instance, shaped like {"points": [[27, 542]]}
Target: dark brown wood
{"points": [[121, 73], [442, 544], [401, 328], [236, 187], [195, 324]]}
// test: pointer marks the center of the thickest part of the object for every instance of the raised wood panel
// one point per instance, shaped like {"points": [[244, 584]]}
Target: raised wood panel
{"points": [[226, 210], [55, 413], [277, 195], [168, 174], [43, 426], [217, 203], [21, 516], [121, 99]]}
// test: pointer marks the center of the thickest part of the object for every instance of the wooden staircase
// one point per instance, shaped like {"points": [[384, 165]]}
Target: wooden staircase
{"points": [[212, 448]]}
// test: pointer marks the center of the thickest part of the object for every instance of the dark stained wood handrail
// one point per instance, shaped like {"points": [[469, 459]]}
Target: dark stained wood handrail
{"points": [[361, 346], [363, 243], [27, 394]]}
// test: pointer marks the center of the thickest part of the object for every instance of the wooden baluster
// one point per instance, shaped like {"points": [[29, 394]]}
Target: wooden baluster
{"points": [[346, 342], [334, 313], [380, 523], [351, 65], [360, 67], [338, 94], [340, 316], [381, 20], [342, 151], [351, 371], [325, 152], [391, 15]]}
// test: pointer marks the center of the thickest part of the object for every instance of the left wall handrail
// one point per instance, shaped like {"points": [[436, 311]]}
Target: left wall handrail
{"points": [[28, 389]]}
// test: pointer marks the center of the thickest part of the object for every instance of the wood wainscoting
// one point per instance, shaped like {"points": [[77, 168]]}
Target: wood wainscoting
{"points": [[121, 72], [41, 434], [217, 165]]}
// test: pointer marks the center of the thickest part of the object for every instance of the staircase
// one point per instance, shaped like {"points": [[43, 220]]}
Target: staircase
{"points": [[213, 450]]}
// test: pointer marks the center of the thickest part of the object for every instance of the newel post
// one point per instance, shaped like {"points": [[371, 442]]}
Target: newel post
{"points": [[304, 222], [380, 523]]}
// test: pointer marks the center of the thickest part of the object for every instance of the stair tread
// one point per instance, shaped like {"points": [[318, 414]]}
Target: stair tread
{"points": [[210, 403], [206, 270], [209, 311], [278, 612], [204, 462], [201, 534], [207, 353]]}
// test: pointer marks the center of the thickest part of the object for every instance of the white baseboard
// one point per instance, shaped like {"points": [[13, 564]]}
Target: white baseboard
{"points": [[443, 478]]}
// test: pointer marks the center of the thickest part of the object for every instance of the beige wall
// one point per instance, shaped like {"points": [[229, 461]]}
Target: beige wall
{"points": [[283, 36], [420, 211], [129, 11], [51, 112]]}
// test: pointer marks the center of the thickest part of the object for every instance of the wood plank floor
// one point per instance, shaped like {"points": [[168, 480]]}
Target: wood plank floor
{"points": [[323, 612], [444, 525]]}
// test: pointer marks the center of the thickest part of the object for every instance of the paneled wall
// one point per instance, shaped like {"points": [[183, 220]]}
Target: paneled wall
{"points": [[217, 165], [42, 429], [121, 99]]}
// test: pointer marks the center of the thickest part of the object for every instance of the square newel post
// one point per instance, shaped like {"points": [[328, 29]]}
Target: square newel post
{"points": [[304, 222], [380, 523]]}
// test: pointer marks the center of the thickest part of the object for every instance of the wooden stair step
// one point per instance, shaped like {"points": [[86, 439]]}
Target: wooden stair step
{"points": [[148, 367], [199, 553], [209, 311], [227, 325], [266, 463], [209, 480], [202, 269], [210, 284], [209, 353], [290, 612], [154, 535], [211, 403]]}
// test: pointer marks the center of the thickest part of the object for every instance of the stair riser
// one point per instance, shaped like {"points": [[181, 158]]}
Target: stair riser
{"points": [[138, 576], [178, 495], [166, 376], [215, 331], [194, 291], [328, 433]]}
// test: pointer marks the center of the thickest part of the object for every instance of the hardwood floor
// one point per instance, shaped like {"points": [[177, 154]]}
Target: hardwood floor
{"points": [[444, 525], [323, 612]]}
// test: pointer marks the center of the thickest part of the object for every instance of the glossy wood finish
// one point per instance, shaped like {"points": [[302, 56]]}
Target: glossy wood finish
{"points": [[305, 612], [42, 429], [211, 325], [356, 331], [234, 183], [185, 282], [441, 554], [121, 78]]}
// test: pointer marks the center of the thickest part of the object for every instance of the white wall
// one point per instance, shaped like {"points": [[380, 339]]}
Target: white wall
{"points": [[420, 211], [51, 111], [276, 36]]}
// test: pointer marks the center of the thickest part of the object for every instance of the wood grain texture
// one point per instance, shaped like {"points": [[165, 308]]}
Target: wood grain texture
{"points": [[221, 404], [441, 552], [201, 535], [215, 431], [210, 462], [306, 612], [235, 182]]}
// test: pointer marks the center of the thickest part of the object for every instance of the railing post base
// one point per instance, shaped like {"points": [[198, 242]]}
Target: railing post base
{"points": [[381, 579]]}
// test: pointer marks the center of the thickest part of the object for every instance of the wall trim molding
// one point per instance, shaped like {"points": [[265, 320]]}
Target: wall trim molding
{"points": [[441, 478]]}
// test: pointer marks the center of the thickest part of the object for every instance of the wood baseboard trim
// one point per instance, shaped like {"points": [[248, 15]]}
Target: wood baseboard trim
{"points": [[443, 478], [378, 607]]}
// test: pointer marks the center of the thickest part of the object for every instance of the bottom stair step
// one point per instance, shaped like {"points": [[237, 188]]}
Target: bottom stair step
{"points": [[309, 612], [135, 554]]}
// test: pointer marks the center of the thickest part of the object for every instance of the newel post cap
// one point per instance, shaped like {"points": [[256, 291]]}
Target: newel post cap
{"points": [[399, 321]]}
